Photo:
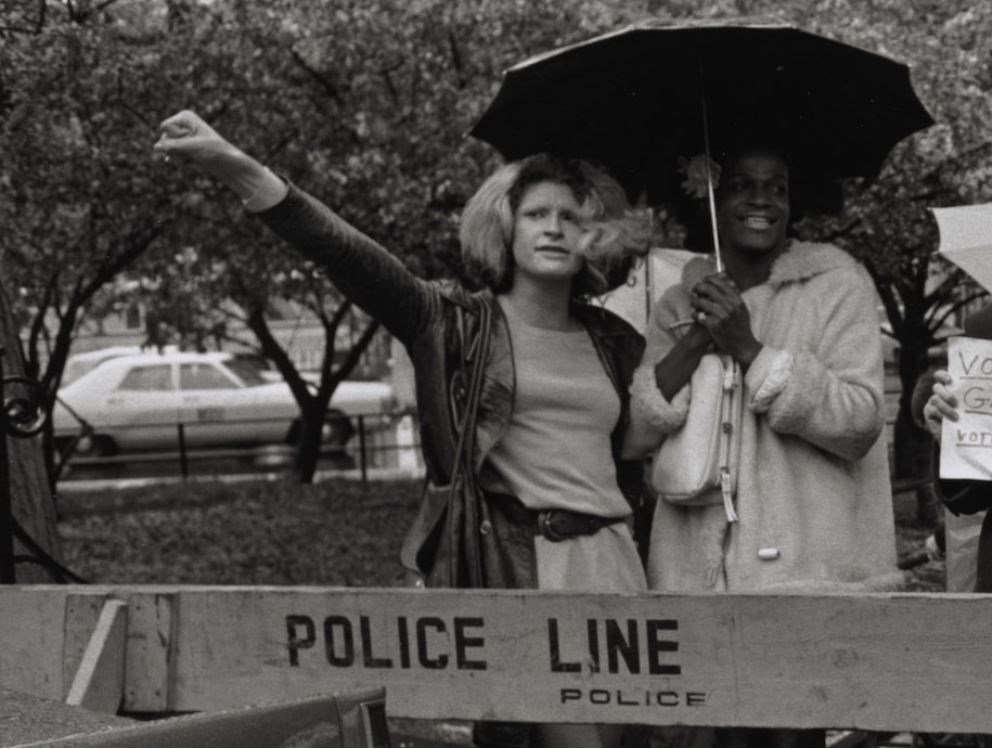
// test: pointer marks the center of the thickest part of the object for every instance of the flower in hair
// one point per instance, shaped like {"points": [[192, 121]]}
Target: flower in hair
{"points": [[694, 170]]}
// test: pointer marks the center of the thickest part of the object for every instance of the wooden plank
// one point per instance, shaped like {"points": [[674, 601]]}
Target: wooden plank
{"points": [[736, 660], [82, 611], [31, 639], [901, 662], [150, 647], [874, 662], [99, 681]]}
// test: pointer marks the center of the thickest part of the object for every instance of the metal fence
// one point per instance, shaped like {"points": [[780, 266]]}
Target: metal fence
{"points": [[373, 440]]}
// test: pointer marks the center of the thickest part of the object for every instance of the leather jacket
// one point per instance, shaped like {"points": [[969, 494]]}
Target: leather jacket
{"points": [[436, 321]]}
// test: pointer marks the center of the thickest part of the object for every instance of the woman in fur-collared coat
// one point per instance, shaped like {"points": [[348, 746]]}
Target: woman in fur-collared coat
{"points": [[813, 495]]}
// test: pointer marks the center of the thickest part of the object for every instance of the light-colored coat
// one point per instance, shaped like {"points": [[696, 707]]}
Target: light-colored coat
{"points": [[814, 479]]}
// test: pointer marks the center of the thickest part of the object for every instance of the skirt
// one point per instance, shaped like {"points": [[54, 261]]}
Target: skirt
{"points": [[603, 562]]}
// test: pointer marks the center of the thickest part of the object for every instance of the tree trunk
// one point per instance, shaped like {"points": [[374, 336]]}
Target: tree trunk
{"points": [[308, 448], [32, 502], [912, 444], [313, 408]]}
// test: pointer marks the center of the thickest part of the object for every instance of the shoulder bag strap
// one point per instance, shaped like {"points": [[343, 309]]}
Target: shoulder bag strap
{"points": [[462, 471], [730, 426]]}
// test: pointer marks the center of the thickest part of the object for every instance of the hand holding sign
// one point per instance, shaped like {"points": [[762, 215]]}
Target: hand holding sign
{"points": [[941, 405], [966, 433]]}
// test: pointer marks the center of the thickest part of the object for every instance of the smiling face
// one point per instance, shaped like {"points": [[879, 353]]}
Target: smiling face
{"points": [[547, 233], [753, 203]]}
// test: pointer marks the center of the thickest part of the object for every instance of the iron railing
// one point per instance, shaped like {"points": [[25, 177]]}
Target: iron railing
{"points": [[359, 446]]}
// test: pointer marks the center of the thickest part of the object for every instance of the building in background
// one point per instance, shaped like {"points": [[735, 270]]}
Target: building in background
{"points": [[294, 326]]}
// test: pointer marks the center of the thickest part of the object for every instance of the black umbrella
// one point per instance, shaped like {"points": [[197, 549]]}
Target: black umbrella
{"points": [[637, 99]]}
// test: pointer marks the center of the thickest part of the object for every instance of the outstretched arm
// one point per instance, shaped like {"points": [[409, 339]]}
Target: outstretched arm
{"points": [[361, 269], [188, 138]]}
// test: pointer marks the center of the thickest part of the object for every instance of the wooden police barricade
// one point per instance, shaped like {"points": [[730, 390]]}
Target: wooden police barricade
{"points": [[887, 662]]}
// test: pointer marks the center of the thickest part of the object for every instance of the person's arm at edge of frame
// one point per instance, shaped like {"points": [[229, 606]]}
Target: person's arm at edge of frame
{"points": [[960, 496]]}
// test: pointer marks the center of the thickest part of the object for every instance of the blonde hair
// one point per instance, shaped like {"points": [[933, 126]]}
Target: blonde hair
{"points": [[615, 232]]}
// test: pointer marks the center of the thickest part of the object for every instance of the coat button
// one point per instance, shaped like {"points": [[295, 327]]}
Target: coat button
{"points": [[768, 553], [485, 527]]}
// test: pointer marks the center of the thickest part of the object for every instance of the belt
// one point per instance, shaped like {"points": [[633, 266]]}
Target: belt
{"points": [[558, 525], [554, 525]]}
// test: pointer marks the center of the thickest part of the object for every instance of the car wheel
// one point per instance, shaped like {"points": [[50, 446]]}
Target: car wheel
{"points": [[338, 429], [95, 446], [336, 432], [293, 435]]}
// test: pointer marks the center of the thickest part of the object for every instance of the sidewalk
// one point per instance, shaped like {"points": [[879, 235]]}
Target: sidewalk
{"points": [[26, 719]]}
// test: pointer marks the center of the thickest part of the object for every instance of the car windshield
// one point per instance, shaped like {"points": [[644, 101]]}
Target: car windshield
{"points": [[248, 370]]}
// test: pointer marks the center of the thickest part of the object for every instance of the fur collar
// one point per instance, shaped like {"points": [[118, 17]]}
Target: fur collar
{"points": [[801, 261]]}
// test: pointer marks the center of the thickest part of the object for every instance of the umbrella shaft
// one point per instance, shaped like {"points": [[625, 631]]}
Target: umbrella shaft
{"points": [[716, 233], [709, 173]]}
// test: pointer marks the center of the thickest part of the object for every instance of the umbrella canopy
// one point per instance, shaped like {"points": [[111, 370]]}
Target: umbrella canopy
{"points": [[632, 100], [966, 239]]}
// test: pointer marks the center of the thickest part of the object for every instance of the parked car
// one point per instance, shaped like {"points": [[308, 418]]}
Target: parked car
{"points": [[135, 401], [79, 364]]}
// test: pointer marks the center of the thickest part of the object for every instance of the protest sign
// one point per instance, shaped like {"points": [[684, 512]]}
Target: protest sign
{"points": [[966, 444]]}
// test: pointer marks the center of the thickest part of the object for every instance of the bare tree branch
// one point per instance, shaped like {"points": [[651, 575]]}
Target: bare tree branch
{"points": [[247, 343], [277, 354], [135, 245], [37, 329], [456, 59], [387, 77], [339, 314], [357, 349], [936, 325], [843, 231], [121, 101], [943, 289], [329, 87], [889, 301], [58, 354], [13, 29], [331, 324]]}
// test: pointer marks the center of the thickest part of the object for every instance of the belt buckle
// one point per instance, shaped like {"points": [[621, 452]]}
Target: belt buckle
{"points": [[546, 528]]}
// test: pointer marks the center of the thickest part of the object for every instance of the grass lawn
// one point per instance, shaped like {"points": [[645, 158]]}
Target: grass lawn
{"points": [[281, 533], [251, 533]]}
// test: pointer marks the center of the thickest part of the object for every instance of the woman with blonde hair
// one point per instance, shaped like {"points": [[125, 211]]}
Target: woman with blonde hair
{"points": [[521, 387]]}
